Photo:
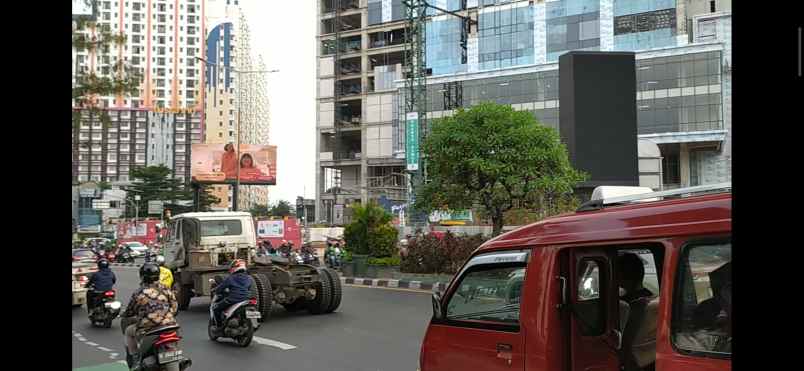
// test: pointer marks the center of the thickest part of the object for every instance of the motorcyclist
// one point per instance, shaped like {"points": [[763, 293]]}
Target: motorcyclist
{"points": [[151, 306], [262, 250], [239, 286], [165, 275], [101, 281], [284, 248]]}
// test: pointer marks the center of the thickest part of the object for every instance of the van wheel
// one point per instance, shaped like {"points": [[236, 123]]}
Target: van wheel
{"points": [[337, 290], [323, 295], [183, 294], [264, 295]]}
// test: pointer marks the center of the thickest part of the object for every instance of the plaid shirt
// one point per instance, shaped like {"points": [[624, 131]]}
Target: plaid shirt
{"points": [[154, 305]]}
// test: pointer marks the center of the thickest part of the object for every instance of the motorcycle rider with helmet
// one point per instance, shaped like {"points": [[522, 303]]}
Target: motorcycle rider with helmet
{"points": [[239, 286], [101, 281], [151, 305], [165, 275]]}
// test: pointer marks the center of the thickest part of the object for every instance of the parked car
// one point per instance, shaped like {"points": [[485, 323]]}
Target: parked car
{"points": [[547, 296]]}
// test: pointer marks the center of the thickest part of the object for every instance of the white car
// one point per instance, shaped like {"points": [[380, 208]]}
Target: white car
{"points": [[137, 248]]}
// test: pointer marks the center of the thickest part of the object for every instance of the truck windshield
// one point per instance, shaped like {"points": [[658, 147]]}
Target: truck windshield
{"points": [[221, 228]]}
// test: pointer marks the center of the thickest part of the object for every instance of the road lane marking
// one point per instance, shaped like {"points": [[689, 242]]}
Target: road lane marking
{"points": [[105, 349], [91, 344], [273, 343], [113, 355]]}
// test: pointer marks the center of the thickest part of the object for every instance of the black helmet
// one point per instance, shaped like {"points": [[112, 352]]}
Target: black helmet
{"points": [[149, 273], [103, 264]]}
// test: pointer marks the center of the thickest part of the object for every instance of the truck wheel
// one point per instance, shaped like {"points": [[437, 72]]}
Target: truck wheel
{"points": [[295, 306], [323, 295], [183, 294], [337, 290], [264, 295]]}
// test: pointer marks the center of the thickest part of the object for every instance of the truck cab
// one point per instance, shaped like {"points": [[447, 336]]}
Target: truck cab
{"points": [[639, 282]]}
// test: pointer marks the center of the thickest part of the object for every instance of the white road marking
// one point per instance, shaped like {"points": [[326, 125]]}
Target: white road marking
{"points": [[78, 335], [105, 349], [82, 339], [273, 343], [91, 344], [113, 355]]}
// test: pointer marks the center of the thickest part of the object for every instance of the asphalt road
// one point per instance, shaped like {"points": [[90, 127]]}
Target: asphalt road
{"points": [[374, 329]]}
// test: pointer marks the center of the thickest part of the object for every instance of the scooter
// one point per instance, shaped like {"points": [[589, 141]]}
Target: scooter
{"points": [[239, 321], [159, 349], [105, 310]]}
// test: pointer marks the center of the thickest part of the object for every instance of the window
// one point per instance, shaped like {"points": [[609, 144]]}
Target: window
{"points": [[489, 292], [589, 309], [712, 6], [702, 316], [220, 228]]}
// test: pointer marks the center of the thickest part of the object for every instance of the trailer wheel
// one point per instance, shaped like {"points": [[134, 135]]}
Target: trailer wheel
{"points": [[264, 295], [323, 296], [337, 290]]}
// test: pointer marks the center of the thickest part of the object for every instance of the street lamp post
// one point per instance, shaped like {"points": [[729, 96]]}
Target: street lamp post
{"points": [[239, 104]]}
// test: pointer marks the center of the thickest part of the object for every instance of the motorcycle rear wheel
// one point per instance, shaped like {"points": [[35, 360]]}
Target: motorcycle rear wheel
{"points": [[212, 335], [245, 340]]}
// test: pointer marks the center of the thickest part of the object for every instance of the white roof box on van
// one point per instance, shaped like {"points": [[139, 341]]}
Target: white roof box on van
{"points": [[607, 192]]}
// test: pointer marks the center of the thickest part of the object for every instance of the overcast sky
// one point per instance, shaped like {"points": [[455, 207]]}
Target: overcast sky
{"points": [[284, 33]]}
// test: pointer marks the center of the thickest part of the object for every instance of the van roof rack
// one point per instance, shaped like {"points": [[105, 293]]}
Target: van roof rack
{"points": [[679, 192]]}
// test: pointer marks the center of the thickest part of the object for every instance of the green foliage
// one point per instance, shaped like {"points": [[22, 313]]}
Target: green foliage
{"points": [[496, 158], [155, 183], [259, 211], [206, 198], [382, 241], [391, 261], [368, 227], [282, 208]]}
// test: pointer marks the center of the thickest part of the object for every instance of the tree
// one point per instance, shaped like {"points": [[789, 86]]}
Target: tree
{"points": [[259, 210], [370, 231], [494, 158], [282, 208], [206, 198], [154, 183]]}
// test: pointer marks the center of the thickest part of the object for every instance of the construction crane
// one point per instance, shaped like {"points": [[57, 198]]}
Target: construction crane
{"points": [[415, 94]]}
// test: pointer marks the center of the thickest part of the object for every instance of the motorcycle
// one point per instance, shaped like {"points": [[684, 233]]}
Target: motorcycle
{"points": [[239, 320], [295, 258], [310, 257], [105, 310], [159, 349], [124, 256], [333, 259]]}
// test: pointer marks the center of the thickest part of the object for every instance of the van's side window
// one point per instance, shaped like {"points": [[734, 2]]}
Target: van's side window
{"points": [[488, 293], [702, 317]]}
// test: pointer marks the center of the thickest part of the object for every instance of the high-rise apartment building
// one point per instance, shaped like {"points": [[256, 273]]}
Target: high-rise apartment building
{"points": [[157, 125], [510, 56], [232, 96]]}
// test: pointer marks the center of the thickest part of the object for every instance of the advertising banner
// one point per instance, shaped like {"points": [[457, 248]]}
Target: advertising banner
{"points": [[412, 141], [218, 163], [270, 228]]}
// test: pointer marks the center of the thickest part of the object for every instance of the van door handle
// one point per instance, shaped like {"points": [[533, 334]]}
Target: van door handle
{"points": [[505, 351]]}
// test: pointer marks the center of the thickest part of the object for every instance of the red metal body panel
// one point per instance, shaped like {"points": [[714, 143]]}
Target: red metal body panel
{"points": [[542, 334]]}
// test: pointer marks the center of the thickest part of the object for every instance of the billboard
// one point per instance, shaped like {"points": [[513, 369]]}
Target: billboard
{"points": [[270, 228], [218, 163], [84, 9]]}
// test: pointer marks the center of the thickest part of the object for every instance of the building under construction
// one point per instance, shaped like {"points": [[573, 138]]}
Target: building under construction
{"points": [[464, 52]]}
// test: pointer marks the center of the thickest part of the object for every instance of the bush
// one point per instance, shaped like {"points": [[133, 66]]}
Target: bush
{"points": [[382, 241], [392, 261], [429, 254]]}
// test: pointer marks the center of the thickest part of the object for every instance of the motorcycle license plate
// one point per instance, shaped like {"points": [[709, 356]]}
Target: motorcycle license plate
{"points": [[169, 356], [253, 314]]}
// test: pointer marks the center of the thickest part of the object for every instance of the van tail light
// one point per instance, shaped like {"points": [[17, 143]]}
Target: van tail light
{"points": [[252, 301], [109, 294], [168, 337]]}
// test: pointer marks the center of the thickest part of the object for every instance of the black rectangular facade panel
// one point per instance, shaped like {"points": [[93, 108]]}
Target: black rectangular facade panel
{"points": [[597, 118], [643, 22]]}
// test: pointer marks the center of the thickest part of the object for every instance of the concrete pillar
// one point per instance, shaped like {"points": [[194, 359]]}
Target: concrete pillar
{"points": [[684, 164]]}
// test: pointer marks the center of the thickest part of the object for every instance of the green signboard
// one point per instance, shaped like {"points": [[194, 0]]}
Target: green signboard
{"points": [[412, 141]]}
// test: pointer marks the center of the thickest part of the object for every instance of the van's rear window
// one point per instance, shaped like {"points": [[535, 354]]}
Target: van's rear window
{"points": [[221, 228]]}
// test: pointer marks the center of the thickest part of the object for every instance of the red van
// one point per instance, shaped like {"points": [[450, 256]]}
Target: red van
{"points": [[639, 282]]}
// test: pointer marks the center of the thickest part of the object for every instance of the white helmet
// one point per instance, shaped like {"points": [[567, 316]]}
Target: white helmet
{"points": [[160, 260]]}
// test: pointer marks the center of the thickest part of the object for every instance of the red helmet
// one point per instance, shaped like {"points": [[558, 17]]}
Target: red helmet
{"points": [[237, 265]]}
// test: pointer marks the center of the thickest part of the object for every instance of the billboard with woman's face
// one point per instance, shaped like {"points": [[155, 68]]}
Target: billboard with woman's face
{"points": [[219, 163]]}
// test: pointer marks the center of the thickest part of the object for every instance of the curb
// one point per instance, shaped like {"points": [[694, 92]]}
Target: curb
{"points": [[391, 283]]}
